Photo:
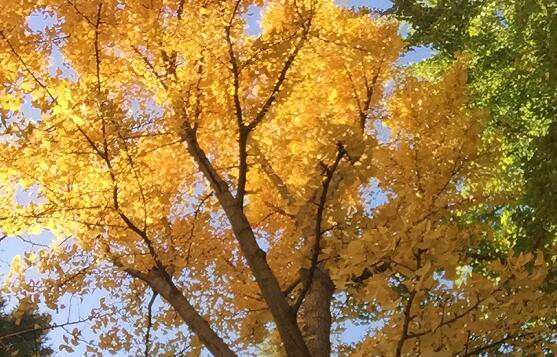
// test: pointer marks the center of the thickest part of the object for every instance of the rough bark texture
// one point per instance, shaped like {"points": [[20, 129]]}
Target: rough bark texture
{"points": [[314, 316]]}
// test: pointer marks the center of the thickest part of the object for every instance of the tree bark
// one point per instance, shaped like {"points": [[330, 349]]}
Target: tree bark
{"points": [[256, 258], [314, 316]]}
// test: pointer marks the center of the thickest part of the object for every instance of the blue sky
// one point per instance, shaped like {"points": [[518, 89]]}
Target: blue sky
{"points": [[13, 246]]}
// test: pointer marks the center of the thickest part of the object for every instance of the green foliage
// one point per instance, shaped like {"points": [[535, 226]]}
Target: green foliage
{"points": [[541, 171], [32, 343], [438, 22], [511, 49]]}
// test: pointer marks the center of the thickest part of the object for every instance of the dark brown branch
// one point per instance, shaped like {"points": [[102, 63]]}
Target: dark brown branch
{"points": [[243, 163], [149, 323], [141, 233], [129, 223], [198, 92], [405, 324], [354, 91], [27, 241], [280, 80], [80, 13], [242, 131], [97, 49], [74, 275], [370, 89], [150, 66], [494, 344], [467, 342], [193, 225], [457, 316], [329, 173], [180, 10], [26, 67], [291, 287], [280, 211], [235, 67], [92, 143], [408, 308], [255, 256], [164, 286]]}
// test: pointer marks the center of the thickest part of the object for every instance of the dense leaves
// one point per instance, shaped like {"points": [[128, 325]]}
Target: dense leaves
{"points": [[176, 156]]}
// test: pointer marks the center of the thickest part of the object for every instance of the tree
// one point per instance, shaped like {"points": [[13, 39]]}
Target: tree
{"points": [[176, 155], [27, 336], [513, 75]]}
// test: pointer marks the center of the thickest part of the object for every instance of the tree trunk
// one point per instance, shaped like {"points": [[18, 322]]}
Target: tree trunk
{"points": [[314, 316]]}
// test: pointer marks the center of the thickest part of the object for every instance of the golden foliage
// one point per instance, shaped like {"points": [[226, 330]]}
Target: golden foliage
{"points": [[119, 186]]}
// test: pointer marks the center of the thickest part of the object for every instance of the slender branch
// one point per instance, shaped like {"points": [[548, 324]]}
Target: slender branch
{"points": [[26, 67], [408, 308], [150, 66], [243, 164], [467, 342], [235, 67], [405, 324], [74, 275], [370, 89], [271, 173], [91, 143], [27, 241], [291, 287], [45, 328], [280, 211], [242, 130], [457, 316], [489, 346], [354, 90], [97, 49], [149, 323], [80, 13], [280, 80], [180, 10], [318, 231], [129, 223], [194, 221]]}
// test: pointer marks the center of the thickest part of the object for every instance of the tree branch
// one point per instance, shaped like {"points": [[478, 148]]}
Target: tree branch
{"points": [[408, 309], [281, 78], [405, 324], [149, 323], [150, 66], [162, 285], [497, 343], [330, 171], [457, 316], [97, 49], [26, 67], [255, 256], [272, 174], [370, 89], [49, 327]]}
